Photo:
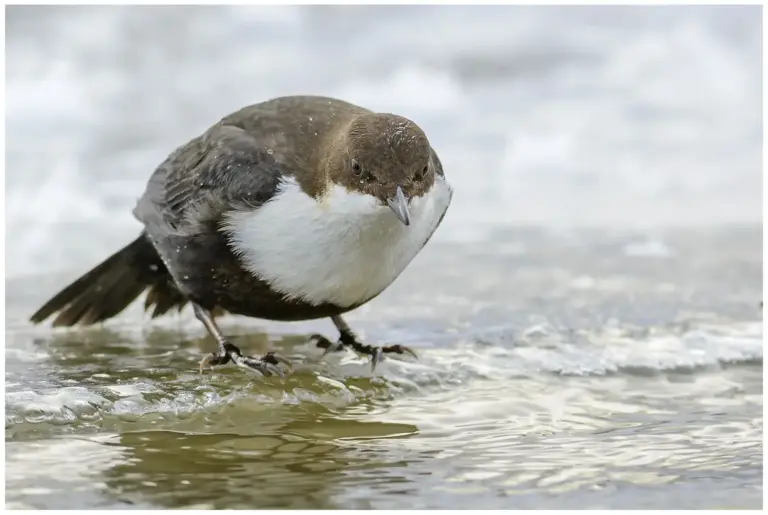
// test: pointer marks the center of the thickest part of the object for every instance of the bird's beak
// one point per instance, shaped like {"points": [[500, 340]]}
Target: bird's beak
{"points": [[399, 205]]}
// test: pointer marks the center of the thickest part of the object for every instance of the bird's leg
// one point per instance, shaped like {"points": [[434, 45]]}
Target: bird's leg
{"points": [[347, 338], [266, 364]]}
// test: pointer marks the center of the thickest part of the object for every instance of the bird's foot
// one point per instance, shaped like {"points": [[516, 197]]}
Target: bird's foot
{"points": [[350, 340], [266, 364], [324, 343]]}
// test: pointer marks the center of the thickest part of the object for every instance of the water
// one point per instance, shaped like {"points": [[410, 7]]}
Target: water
{"points": [[616, 366]]}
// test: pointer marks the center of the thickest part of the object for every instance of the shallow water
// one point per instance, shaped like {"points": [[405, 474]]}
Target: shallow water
{"points": [[618, 367], [598, 378]]}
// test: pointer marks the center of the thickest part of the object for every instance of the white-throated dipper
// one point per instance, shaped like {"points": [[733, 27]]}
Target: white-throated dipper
{"points": [[297, 208]]}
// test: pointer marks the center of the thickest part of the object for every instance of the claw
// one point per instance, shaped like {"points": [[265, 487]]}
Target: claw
{"points": [[376, 357], [276, 359], [275, 370], [214, 360], [324, 343], [266, 365], [378, 353], [320, 340], [401, 349], [255, 364], [205, 361], [333, 347]]}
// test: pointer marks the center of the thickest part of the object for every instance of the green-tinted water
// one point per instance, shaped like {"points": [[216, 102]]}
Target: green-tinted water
{"points": [[612, 381]]}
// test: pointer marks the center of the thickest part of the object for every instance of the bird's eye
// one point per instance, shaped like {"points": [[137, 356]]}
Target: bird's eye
{"points": [[364, 175], [420, 175]]}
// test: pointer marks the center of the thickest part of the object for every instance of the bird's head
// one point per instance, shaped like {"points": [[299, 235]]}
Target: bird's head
{"points": [[385, 156]]}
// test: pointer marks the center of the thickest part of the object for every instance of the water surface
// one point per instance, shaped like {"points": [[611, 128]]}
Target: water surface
{"points": [[598, 378], [560, 367]]}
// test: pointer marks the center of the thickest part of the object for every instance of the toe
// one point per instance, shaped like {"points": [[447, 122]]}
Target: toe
{"points": [[400, 349], [333, 347], [266, 365], [320, 341], [206, 361], [276, 359], [213, 360], [274, 369], [254, 365], [376, 357]]}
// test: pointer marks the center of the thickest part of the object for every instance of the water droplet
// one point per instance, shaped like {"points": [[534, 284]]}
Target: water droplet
{"points": [[186, 277]]}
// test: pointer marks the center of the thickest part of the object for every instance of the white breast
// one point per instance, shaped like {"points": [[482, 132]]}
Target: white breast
{"points": [[342, 249]]}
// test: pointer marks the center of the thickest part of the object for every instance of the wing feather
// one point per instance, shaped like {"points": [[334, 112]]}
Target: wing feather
{"points": [[224, 169]]}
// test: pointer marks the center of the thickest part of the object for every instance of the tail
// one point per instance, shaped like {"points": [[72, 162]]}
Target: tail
{"points": [[113, 285]]}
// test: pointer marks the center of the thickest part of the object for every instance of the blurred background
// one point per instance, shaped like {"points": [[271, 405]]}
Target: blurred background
{"points": [[586, 317], [555, 116]]}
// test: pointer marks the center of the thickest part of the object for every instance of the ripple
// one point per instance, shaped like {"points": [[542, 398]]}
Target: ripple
{"points": [[63, 406]]}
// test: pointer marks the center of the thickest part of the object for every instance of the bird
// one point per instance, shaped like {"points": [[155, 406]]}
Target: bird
{"points": [[296, 208]]}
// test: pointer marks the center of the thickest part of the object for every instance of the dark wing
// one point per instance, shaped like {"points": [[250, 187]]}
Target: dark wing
{"points": [[224, 169]]}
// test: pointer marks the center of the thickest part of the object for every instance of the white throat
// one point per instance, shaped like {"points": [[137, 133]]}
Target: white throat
{"points": [[343, 249]]}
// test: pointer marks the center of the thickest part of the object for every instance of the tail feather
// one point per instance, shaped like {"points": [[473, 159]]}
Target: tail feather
{"points": [[112, 286], [164, 296]]}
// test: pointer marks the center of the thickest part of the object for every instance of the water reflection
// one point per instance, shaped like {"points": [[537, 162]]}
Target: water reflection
{"points": [[221, 440], [533, 413], [300, 465], [172, 469]]}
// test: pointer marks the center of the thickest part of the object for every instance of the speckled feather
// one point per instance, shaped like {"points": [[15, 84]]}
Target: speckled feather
{"points": [[237, 166]]}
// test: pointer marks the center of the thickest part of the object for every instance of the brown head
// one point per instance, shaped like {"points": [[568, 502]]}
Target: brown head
{"points": [[383, 155]]}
